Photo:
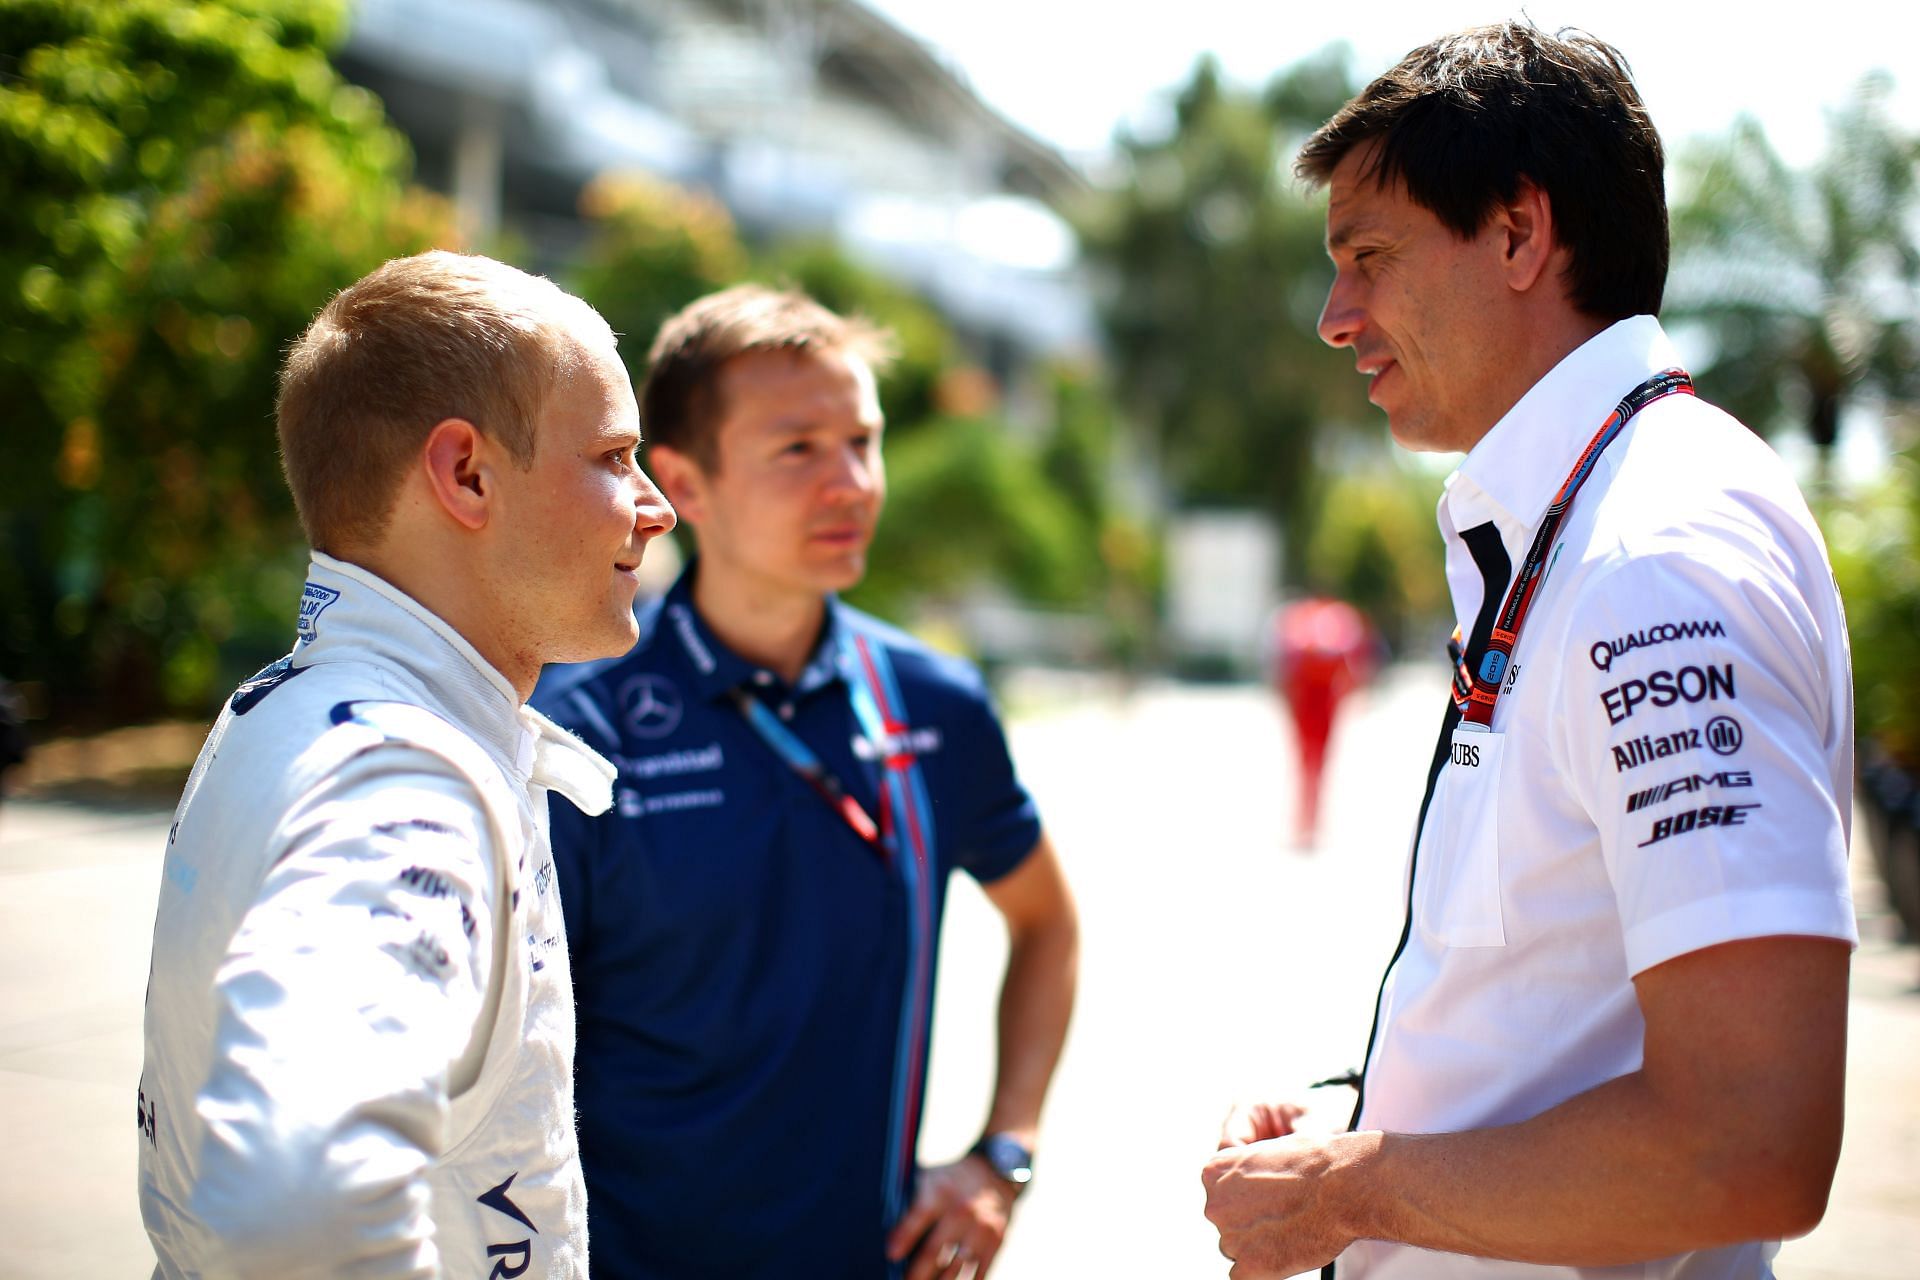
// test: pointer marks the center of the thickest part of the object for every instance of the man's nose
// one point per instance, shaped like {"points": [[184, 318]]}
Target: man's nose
{"points": [[853, 470], [653, 514], [1341, 317]]}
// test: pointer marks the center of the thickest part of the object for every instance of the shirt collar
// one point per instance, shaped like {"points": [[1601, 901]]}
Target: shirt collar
{"points": [[717, 670], [350, 614], [1513, 472]]}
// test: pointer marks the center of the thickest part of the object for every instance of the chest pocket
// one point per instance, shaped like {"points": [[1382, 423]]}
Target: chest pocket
{"points": [[1457, 889]]}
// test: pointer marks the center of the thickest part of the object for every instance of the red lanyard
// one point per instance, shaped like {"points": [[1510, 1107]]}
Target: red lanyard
{"points": [[1476, 692]]}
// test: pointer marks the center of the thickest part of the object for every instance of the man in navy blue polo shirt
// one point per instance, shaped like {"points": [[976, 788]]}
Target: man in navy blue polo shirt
{"points": [[754, 924]]}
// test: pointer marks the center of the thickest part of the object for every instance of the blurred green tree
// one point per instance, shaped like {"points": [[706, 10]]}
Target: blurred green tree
{"points": [[187, 180], [1804, 281], [1375, 546], [967, 503], [1875, 541], [1215, 274], [654, 247]]}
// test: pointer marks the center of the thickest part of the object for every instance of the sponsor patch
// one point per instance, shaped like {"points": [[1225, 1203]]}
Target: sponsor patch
{"points": [[1603, 652], [314, 600], [690, 637], [1664, 688], [1710, 815], [428, 956], [1724, 735], [676, 801], [651, 706], [1648, 747], [1686, 784], [908, 742], [670, 764]]}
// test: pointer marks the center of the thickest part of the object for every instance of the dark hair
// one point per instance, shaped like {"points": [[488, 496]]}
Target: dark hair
{"points": [[1462, 120], [679, 406]]}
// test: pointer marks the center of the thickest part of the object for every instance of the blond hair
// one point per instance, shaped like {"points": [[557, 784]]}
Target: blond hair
{"points": [[415, 342]]}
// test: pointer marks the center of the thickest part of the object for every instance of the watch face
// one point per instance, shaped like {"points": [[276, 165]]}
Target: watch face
{"points": [[1009, 1159]]}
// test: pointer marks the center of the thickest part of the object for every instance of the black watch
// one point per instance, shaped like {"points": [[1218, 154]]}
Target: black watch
{"points": [[1008, 1157]]}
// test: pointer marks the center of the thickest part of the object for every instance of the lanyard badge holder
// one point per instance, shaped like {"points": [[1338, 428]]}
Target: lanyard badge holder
{"points": [[1456, 892], [1475, 692]]}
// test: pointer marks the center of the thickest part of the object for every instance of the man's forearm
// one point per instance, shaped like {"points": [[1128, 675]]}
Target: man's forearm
{"points": [[1036, 1003], [1614, 1175]]}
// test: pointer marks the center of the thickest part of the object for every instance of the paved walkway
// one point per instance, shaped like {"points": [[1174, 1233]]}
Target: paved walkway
{"points": [[1218, 963]]}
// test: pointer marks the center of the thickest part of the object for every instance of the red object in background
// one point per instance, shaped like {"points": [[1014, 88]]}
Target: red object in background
{"points": [[1323, 650]]}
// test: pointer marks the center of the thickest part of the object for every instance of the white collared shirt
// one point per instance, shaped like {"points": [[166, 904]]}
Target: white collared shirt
{"points": [[1669, 767], [359, 1023]]}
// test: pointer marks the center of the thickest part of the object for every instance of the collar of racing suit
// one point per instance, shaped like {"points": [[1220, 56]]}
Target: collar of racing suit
{"points": [[348, 614]]}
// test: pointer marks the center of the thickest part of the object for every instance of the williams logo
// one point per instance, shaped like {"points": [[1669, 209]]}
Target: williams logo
{"points": [[1681, 786], [314, 600], [1664, 688], [1712, 815], [1605, 651], [1724, 736]]}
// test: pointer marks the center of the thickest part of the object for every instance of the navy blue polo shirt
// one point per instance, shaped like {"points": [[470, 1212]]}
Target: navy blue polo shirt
{"points": [[752, 977]]}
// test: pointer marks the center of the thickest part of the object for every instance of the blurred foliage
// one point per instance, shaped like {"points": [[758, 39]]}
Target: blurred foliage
{"points": [[1804, 281], [655, 248], [1376, 547], [1214, 275], [1875, 541], [186, 182], [967, 502]]}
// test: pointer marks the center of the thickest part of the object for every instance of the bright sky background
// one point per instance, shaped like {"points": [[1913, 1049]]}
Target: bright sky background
{"points": [[1071, 70]]}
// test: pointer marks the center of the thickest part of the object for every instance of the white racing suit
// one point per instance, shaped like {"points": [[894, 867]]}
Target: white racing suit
{"points": [[359, 1023]]}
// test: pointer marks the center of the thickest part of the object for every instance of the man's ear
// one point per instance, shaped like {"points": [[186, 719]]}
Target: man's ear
{"points": [[1529, 237], [682, 479], [460, 471]]}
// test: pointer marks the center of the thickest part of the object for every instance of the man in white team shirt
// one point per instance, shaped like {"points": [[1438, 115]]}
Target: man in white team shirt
{"points": [[359, 1027], [1612, 1038]]}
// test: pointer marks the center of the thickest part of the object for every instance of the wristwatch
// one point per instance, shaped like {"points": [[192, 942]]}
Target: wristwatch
{"points": [[1008, 1157]]}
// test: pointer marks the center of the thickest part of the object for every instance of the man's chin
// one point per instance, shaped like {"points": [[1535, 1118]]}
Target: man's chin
{"points": [[843, 573], [610, 640]]}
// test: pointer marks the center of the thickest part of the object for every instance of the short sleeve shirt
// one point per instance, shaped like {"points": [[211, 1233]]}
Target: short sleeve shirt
{"points": [[753, 978], [1669, 765]]}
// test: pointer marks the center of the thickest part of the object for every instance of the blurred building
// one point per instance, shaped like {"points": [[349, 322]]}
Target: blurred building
{"points": [[806, 117]]}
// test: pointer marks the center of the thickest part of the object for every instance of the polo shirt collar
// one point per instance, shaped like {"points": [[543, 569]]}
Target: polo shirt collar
{"points": [[1513, 472], [715, 670]]}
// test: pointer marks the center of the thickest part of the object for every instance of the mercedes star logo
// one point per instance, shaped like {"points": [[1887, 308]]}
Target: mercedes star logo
{"points": [[651, 705]]}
